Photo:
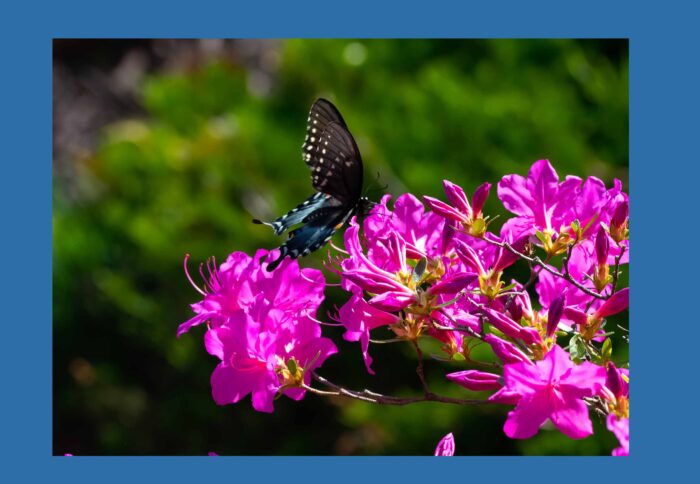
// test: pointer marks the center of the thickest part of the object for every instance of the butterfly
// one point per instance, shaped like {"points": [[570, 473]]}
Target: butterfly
{"points": [[331, 154]]}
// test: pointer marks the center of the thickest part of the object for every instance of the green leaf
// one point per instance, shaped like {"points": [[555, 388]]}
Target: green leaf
{"points": [[577, 348], [606, 351], [419, 270]]}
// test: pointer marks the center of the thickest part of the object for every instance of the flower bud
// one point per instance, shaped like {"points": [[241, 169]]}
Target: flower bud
{"points": [[456, 196], [621, 214], [446, 446], [506, 352], [614, 380], [614, 304], [443, 209], [475, 380], [502, 323], [554, 315], [516, 310], [620, 221], [602, 247], [479, 198]]}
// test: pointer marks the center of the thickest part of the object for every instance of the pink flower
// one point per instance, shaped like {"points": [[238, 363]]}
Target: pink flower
{"points": [[261, 328], [421, 231], [594, 204], [237, 282], [460, 211], [263, 354], [581, 268], [446, 446], [540, 201], [552, 388]]}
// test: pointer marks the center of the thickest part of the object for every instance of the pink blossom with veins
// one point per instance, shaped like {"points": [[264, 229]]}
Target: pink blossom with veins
{"points": [[553, 389], [255, 352], [540, 201], [237, 282], [391, 295], [261, 327], [469, 216], [421, 230], [594, 204]]}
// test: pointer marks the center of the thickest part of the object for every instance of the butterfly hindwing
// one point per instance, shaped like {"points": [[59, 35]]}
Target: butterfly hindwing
{"points": [[297, 214], [316, 232]]}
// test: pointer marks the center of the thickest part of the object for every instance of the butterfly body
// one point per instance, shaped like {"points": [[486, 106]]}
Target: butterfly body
{"points": [[331, 154]]}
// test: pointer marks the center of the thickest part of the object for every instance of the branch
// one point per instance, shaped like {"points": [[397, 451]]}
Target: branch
{"points": [[536, 260], [372, 397]]}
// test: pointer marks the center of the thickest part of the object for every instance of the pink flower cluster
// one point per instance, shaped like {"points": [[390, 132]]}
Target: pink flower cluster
{"points": [[261, 326], [434, 269]]}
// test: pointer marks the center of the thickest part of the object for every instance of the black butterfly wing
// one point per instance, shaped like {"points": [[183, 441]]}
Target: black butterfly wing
{"points": [[319, 227], [332, 155]]}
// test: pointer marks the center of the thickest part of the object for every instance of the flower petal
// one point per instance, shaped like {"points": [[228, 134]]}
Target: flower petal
{"points": [[528, 416], [570, 415]]}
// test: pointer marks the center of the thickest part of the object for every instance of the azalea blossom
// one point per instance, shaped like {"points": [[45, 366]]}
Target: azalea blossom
{"points": [[262, 354], [262, 329], [469, 216], [540, 201], [433, 271], [421, 230], [235, 284], [553, 389]]}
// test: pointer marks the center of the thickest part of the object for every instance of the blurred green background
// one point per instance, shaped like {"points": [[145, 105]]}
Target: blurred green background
{"points": [[167, 147]]}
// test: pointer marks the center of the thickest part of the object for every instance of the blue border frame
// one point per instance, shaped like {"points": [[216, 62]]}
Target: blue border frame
{"points": [[663, 129]]}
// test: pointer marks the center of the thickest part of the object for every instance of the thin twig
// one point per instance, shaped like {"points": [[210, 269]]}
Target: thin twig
{"points": [[419, 369], [457, 326], [616, 274]]}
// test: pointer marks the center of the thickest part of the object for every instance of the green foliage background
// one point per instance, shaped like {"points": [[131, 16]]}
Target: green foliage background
{"points": [[209, 153]]}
